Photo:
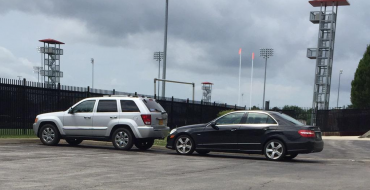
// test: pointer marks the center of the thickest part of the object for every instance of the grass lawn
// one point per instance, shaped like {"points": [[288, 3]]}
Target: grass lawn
{"points": [[159, 142]]}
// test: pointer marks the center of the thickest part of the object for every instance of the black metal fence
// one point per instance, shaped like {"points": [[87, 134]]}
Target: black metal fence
{"points": [[21, 101]]}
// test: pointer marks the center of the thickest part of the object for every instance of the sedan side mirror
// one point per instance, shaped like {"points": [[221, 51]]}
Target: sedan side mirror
{"points": [[213, 125], [70, 111]]}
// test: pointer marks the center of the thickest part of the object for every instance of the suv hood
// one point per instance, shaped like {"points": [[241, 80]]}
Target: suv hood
{"points": [[60, 113]]}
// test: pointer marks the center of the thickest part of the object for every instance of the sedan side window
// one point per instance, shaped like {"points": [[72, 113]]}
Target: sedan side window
{"points": [[84, 107], [107, 106], [233, 118], [259, 118]]}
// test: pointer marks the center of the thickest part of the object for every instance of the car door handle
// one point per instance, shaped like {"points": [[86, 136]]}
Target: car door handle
{"points": [[87, 117], [113, 117], [233, 129]]}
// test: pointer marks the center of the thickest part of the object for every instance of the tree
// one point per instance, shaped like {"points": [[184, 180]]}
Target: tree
{"points": [[360, 91]]}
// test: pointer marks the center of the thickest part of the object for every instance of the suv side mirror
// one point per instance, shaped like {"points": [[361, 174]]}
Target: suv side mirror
{"points": [[213, 125]]}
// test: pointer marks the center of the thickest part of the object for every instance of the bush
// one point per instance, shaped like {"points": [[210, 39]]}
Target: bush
{"points": [[224, 112]]}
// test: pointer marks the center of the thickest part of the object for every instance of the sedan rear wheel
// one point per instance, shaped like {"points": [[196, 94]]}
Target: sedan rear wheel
{"points": [[275, 150], [184, 145]]}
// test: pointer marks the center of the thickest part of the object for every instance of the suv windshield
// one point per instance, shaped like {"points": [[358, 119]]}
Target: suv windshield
{"points": [[289, 119], [152, 105]]}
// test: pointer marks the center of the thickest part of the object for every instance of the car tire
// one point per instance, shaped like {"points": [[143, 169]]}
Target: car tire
{"points": [[184, 145], [49, 135], [202, 152], [144, 144], [73, 142], [290, 156], [275, 150], [122, 139]]}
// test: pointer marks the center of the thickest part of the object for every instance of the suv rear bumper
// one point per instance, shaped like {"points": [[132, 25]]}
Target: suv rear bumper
{"points": [[152, 132]]}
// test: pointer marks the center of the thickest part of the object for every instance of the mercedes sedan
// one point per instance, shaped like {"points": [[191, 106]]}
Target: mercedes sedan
{"points": [[276, 135]]}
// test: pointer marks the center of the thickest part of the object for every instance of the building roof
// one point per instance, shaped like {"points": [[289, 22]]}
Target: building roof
{"points": [[317, 3], [207, 83], [51, 41]]}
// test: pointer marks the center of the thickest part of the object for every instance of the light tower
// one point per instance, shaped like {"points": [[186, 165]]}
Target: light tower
{"points": [[327, 20], [207, 92], [51, 52]]}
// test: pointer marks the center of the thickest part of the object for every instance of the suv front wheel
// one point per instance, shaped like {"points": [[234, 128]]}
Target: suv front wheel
{"points": [[49, 135], [122, 139]]}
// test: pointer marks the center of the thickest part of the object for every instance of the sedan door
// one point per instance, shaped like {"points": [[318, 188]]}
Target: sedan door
{"points": [[253, 131], [78, 121], [106, 113], [225, 137]]}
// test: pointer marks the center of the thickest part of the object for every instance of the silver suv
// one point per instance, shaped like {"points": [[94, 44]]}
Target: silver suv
{"points": [[123, 120]]}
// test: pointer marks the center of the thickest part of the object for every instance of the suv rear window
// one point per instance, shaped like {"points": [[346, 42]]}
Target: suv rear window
{"points": [[129, 106], [152, 105]]}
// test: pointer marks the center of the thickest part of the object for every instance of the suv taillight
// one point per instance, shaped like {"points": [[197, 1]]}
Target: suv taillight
{"points": [[147, 119], [307, 133]]}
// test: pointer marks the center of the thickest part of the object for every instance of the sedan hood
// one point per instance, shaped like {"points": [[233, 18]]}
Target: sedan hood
{"points": [[192, 126]]}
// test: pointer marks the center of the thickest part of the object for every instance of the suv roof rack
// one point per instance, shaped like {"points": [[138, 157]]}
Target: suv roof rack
{"points": [[115, 95]]}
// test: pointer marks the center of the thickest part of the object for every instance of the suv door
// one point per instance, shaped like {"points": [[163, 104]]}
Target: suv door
{"points": [[106, 112], [225, 137], [253, 131], [78, 121]]}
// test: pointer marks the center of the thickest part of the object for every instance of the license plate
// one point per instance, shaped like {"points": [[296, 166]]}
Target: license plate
{"points": [[160, 122]]}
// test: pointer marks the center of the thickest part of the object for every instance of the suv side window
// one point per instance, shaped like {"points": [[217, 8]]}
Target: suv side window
{"points": [[129, 106], [84, 107], [107, 106], [259, 118], [233, 118]]}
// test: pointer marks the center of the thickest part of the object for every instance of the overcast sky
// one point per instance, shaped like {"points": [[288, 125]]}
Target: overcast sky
{"points": [[204, 38]]}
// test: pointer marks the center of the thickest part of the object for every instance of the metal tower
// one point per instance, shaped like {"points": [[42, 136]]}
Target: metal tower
{"points": [[327, 20], [207, 91], [51, 71]]}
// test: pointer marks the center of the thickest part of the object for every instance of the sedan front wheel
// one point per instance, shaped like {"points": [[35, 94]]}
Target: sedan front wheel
{"points": [[184, 145]]}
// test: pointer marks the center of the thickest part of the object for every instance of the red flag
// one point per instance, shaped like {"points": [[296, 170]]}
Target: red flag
{"points": [[240, 51], [252, 55]]}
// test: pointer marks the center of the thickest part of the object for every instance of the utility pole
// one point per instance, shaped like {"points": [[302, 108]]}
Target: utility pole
{"points": [[92, 62], [165, 52]]}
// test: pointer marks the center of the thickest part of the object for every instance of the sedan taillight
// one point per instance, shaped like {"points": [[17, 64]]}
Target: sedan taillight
{"points": [[307, 133], [147, 119]]}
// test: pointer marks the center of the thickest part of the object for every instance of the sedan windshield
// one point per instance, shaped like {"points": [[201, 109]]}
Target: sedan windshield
{"points": [[289, 119]]}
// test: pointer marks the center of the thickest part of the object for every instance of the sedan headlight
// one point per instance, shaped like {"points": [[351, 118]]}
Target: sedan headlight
{"points": [[172, 131]]}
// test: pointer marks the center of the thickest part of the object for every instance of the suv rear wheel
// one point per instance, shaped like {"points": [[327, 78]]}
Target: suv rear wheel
{"points": [[73, 142], [144, 144], [49, 135], [122, 139]]}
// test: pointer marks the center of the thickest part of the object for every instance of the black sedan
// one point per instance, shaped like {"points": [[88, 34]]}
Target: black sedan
{"points": [[276, 135]]}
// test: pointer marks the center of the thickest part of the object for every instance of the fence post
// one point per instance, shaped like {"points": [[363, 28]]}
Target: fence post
{"points": [[201, 111], [235, 106], [24, 107], [88, 92], [114, 92], [186, 113], [59, 108], [172, 112]]}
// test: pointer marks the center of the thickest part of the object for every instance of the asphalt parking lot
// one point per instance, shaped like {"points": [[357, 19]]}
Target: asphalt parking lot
{"points": [[344, 164]]}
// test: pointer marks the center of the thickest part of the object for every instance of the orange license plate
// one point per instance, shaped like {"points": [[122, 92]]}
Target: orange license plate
{"points": [[161, 122]]}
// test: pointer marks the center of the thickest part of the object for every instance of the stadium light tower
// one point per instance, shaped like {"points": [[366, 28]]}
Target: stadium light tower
{"points": [[158, 56], [37, 70], [324, 52], [265, 53]]}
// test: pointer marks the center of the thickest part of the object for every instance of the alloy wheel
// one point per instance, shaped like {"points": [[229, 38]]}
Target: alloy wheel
{"points": [[48, 134], [184, 145], [121, 139], [274, 150]]}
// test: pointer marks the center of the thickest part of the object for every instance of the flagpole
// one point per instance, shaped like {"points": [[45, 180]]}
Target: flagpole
{"points": [[240, 67], [250, 93]]}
